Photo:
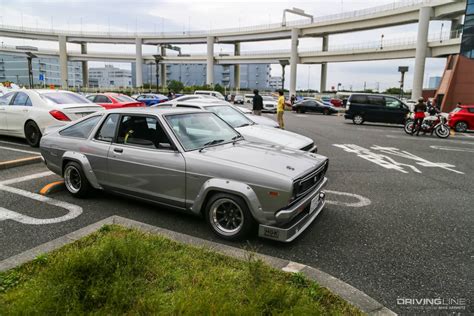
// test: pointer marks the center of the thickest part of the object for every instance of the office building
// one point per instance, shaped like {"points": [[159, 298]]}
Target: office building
{"points": [[110, 76], [433, 82]]}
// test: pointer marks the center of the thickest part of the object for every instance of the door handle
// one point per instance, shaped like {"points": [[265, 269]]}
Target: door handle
{"points": [[25, 110], [118, 150]]}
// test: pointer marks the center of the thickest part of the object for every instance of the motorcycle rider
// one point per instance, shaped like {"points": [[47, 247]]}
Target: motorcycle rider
{"points": [[419, 110]]}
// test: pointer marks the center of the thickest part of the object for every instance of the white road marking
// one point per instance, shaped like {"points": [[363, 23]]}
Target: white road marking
{"points": [[469, 150], [433, 139], [20, 150], [361, 201], [467, 135], [73, 210], [13, 143], [301, 115], [389, 163]]}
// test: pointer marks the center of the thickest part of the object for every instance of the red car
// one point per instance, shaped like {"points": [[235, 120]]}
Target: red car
{"points": [[462, 118], [114, 100], [336, 102]]}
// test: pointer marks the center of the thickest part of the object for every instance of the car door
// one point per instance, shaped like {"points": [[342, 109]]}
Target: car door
{"points": [[143, 161], [375, 109], [4, 106], [17, 113], [395, 110]]}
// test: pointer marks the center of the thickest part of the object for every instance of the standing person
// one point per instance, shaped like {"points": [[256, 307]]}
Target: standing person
{"points": [[281, 109], [420, 109], [257, 103], [292, 100]]}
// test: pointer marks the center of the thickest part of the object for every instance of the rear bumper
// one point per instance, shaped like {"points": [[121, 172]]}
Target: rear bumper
{"points": [[300, 217]]}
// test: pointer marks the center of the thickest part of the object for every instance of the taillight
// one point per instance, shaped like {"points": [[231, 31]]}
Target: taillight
{"points": [[60, 116], [348, 104]]}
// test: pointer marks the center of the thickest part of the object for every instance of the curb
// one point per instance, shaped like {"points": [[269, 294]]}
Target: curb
{"points": [[347, 292], [19, 162]]}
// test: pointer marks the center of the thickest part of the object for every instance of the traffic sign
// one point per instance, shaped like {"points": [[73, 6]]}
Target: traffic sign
{"points": [[41, 77]]}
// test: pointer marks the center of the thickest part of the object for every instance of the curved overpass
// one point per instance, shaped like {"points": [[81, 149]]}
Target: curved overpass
{"points": [[413, 11]]}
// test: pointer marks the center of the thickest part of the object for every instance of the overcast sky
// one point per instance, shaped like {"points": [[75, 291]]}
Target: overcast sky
{"points": [[184, 15]]}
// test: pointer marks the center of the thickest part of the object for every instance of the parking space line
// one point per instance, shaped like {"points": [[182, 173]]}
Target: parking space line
{"points": [[20, 150], [6, 214], [15, 144], [447, 148]]}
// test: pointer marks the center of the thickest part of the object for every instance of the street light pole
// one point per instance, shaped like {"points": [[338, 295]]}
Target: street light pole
{"points": [[283, 63], [158, 58], [29, 57]]}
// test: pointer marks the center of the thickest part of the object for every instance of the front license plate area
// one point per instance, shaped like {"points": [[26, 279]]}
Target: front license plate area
{"points": [[314, 204]]}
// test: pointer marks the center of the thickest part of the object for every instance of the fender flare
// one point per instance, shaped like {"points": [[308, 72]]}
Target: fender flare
{"points": [[85, 164], [233, 187]]}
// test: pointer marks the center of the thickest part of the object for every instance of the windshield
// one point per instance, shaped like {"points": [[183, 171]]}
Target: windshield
{"points": [[63, 98], [268, 99], [232, 116], [198, 130], [123, 98]]}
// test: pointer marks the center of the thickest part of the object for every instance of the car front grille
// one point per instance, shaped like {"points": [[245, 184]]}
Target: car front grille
{"points": [[306, 183]]}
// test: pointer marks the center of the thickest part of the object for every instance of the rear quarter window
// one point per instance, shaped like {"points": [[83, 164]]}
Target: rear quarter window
{"points": [[81, 129], [471, 110]]}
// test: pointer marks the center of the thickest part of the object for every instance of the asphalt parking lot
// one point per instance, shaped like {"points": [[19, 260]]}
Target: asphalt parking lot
{"points": [[399, 221]]}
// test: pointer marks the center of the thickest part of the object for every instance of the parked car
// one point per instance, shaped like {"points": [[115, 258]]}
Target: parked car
{"points": [[215, 94], [326, 100], [248, 98], [114, 100], [314, 106], [336, 102], [269, 104], [27, 113], [362, 108], [239, 99], [194, 162], [250, 130], [462, 118], [262, 120], [151, 98]]}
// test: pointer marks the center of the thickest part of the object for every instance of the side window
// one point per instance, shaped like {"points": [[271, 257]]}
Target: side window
{"points": [[376, 100], [81, 129], [90, 98], [102, 99], [393, 103], [359, 99], [28, 102], [471, 110], [107, 130], [142, 131], [7, 98], [20, 99]]}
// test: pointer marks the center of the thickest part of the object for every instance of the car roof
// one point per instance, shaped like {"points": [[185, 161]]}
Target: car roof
{"points": [[205, 102], [466, 106], [43, 91], [154, 110]]}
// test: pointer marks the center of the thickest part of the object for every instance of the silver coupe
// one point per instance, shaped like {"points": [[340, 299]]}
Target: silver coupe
{"points": [[194, 161]]}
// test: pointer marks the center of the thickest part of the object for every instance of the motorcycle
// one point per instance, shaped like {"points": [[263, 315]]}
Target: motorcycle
{"points": [[437, 123]]}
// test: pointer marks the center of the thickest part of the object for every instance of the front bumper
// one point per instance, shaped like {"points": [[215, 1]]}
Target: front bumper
{"points": [[299, 217]]}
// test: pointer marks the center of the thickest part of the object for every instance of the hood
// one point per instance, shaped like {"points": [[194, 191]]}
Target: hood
{"points": [[262, 120], [273, 159], [274, 136]]}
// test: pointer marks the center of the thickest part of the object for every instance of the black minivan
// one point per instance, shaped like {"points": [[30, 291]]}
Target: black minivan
{"points": [[378, 108]]}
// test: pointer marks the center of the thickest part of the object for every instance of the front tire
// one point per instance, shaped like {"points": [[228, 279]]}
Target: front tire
{"points": [[408, 126], [75, 180], [460, 127], [229, 217], [442, 131], [32, 134], [358, 119]]}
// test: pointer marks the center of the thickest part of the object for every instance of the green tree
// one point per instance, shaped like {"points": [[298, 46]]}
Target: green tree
{"points": [[218, 87], [175, 85], [393, 90]]}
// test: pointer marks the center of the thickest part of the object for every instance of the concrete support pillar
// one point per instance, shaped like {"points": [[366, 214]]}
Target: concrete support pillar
{"points": [[294, 59], [210, 61], [163, 80], [63, 61], [324, 66], [85, 67], [138, 63], [421, 51], [237, 68]]}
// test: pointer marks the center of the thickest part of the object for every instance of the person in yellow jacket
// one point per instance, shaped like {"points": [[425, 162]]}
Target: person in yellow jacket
{"points": [[281, 109]]}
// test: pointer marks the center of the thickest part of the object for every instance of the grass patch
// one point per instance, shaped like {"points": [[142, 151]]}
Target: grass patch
{"points": [[124, 271]]}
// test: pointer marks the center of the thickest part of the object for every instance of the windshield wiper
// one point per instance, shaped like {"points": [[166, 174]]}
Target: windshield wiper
{"points": [[243, 125], [236, 138], [212, 142]]}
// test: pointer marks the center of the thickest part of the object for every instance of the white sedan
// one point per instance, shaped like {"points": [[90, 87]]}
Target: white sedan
{"points": [[27, 113], [262, 120], [249, 130]]}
